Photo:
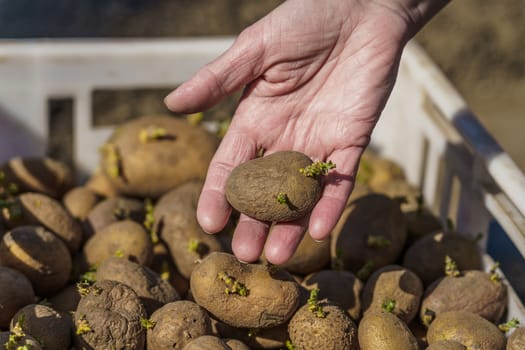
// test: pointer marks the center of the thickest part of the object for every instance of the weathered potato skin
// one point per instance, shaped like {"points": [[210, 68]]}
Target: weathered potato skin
{"points": [[426, 256], [207, 342], [112, 210], [27, 340], [446, 345], [252, 187], [466, 328], [42, 210], [385, 331], [370, 215], [261, 338], [79, 201], [113, 312], [516, 341], [150, 169], [273, 295], [335, 331], [340, 287], [15, 292], [43, 175], [176, 224], [393, 282], [40, 255], [310, 256], [152, 290], [177, 324], [125, 236], [45, 324], [473, 291]]}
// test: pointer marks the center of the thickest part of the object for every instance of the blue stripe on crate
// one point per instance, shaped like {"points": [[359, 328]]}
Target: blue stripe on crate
{"points": [[502, 250]]}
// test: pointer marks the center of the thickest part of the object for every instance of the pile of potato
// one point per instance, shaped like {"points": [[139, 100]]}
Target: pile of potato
{"points": [[120, 262]]}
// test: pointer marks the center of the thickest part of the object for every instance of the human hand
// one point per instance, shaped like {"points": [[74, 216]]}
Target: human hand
{"points": [[317, 76]]}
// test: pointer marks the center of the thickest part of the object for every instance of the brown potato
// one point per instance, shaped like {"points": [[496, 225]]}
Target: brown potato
{"points": [[421, 222], [163, 265], [15, 293], [112, 210], [43, 175], [340, 287], [385, 331], [100, 184], [207, 342], [126, 238], [176, 224], [474, 291], [244, 295], [45, 324], [19, 341], [177, 324], [426, 256], [79, 201], [373, 234], [466, 328], [255, 338], [375, 170], [109, 317], [40, 255], [446, 345], [235, 344], [335, 330], [41, 210], [516, 341], [152, 290], [395, 285], [148, 156], [272, 188], [66, 300]]}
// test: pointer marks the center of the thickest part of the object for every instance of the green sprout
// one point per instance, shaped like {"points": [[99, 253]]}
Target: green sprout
{"points": [[282, 198], [165, 270], [113, 159], [317, 168], [313, 304], [428, 317], [377, 241], [232, 285], [505, 327], [152, 133], [494, 275], [119, 253], [388, 305], [17, 335], [451, 268], [121, 213], [83, 288], [83, 326], [149, 220], [11, 209], [289, 345], [147, 323], [365, 271], [252, 332], [195, 118]]}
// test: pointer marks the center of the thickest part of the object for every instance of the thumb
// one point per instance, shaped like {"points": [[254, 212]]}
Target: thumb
{"points": [[235, 68]]}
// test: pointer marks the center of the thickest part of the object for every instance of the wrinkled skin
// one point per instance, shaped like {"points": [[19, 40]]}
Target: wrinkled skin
{"points": [[317, 75]]}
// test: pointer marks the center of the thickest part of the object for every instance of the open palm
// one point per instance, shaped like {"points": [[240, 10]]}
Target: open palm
{"points": [[316, 75]]}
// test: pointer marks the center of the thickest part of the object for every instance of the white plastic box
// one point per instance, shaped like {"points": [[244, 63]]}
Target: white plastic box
{"points": [[426, 126]]}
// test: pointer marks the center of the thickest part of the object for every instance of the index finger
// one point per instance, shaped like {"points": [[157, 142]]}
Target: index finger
{"points": [[213, 210]]}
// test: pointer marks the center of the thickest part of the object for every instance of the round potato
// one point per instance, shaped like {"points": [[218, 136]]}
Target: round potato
{"points": [[474, 291], [466, 328], [177, 324], [100, 184], [66, 300], [17, 340], [16, 292], [40, 255], [176, 224], [393, 289], [125, 238], [112, 210], [43, 175], [152, 290], [41, 210], [244, 295], [109, 317], [207, 342], [335, 330], [516, 340], [421, 222], [79, 201], [340, 287], [426, 256], [52, 329], [373, 234], [148, 156], [446, 345], [256, 338], [385, 331], [273, 188]]}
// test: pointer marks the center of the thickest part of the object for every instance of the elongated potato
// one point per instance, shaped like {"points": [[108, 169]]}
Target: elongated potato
{"points": [[385, 331]]}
